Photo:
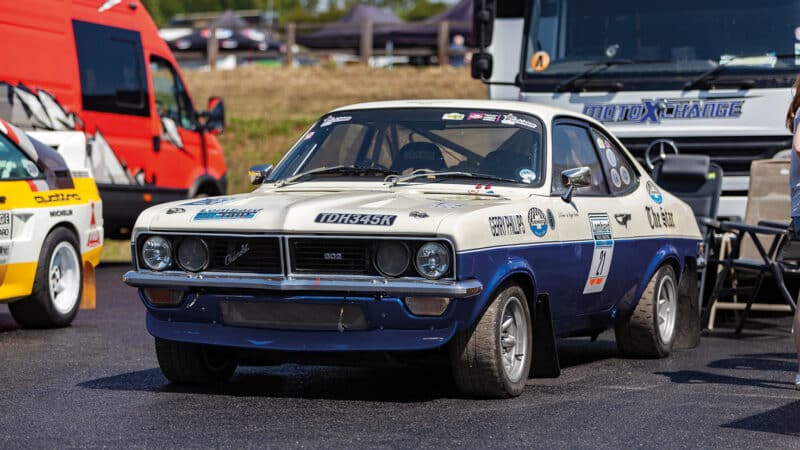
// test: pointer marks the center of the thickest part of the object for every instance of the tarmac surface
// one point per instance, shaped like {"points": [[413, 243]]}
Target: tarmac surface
{"points": [[97, 384]]}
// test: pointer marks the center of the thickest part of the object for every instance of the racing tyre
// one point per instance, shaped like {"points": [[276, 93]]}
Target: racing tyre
{"points": [[494, 357], [651, 329], [57, 286], [182, 362]]}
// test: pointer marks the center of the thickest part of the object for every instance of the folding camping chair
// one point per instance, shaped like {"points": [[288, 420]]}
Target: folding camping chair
{"points": [[742, 246]]}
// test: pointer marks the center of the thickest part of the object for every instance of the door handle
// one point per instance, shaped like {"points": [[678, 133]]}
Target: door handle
{"points": [[156, 144]]}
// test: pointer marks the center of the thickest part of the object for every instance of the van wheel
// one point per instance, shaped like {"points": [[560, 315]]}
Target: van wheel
{"points": [[493, 358], [650, 331], [183, 362], [57, 286]]}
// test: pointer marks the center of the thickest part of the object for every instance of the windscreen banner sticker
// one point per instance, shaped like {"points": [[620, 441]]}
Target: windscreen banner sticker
{"points": [[5, 226], [486, 117], [506, 225], [356, 219], [537, 222], [330, 120], [453, 116], [602, 255], [511, 119], [226, 214], [659, 110]]}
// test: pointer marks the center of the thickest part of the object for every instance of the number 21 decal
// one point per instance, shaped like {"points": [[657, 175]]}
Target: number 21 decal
{"points": [[602, 255]]}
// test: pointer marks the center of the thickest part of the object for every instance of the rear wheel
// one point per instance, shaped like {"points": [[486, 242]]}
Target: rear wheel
{"points": [[493, 358], [650, 331], [183, 362], [57, 287]]}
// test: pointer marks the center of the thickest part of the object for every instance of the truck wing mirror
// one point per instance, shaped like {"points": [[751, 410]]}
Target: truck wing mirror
{"points": [[215, 116], [482, 66], [575, 178]]}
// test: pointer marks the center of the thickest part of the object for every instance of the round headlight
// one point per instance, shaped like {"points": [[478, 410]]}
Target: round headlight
{"points": [[157, 253], [193, 254], [433, 260], [392, 258]]}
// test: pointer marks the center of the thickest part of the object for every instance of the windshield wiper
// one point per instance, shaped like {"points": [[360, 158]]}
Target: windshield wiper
{"points": [[594, 66], [392, 180], [342, 169], [705, 77]]}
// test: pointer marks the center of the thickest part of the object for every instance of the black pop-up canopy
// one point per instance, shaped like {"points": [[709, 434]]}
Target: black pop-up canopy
{"points": [[426, 33], [346, 32]]}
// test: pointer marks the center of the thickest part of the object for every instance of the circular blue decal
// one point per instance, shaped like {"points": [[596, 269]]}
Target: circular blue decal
{"points": [[537, 221]]}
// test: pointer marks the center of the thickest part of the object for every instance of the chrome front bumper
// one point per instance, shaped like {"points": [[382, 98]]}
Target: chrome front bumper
{"points": [[363, 285]]}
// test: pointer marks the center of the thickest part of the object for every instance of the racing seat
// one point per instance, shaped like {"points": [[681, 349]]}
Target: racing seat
{"points": [[419, 155], [512, 156]]}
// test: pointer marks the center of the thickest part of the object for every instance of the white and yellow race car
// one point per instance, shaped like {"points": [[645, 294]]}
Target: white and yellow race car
{"points": [[51, 229]]}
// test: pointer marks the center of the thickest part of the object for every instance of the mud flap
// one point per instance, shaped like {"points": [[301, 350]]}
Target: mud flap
{"points": [[545, 352], [89, 296], [688, 326]]}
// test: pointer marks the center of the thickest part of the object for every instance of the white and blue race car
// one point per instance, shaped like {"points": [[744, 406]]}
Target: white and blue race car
{"points": [[478, 231]]}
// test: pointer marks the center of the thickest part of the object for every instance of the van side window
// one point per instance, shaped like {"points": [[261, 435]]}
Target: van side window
{"points": [[171, 98], [112, 70]]}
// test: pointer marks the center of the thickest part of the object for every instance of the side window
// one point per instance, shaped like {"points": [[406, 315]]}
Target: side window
{"points": [[171, 98], [15, 165], [573, 147], [618, 170], [112, 69]]}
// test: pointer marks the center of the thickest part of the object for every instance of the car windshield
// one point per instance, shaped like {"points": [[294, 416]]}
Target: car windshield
{"points": [[378, 142], [568, 37]]}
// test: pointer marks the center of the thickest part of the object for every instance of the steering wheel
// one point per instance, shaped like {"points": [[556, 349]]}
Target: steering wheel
{"points": [[660, 146]]}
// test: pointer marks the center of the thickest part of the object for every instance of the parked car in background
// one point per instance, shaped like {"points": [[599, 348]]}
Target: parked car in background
{"points": [[51, 227], [102, 68], [458, 229]]}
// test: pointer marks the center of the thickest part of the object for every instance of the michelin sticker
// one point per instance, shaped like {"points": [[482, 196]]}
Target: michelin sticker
{"points": [[226, 214], [602, 255], [537, 222], [330, 120], [654, 192], [356, 219]]}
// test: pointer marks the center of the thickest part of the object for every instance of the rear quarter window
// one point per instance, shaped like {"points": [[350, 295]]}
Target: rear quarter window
{"points": [[112, 69]]}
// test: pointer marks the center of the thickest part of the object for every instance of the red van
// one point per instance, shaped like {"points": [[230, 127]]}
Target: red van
{"points": [[100, 66]]}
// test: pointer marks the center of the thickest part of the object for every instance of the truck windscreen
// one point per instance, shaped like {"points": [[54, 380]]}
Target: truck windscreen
{"points": [[634, 44]]}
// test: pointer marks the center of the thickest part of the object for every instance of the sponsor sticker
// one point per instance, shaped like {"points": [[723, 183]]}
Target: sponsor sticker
{"points": [[61, 213], [308, 135], [511, 119], [176, 211], [611, 157], [654, 192], [537, 222], [330, 120], [453, 116], [5, 225], [56, 198], [658, 217], [551, 219], [385, 220], [207, 201], [29, 166], [602, 255], [511, 225], [475, 116], [657, 111], [527, 175], [625, 175], [480, 189], [615, 178], [447, 205], [600, 143], [226, 213]]}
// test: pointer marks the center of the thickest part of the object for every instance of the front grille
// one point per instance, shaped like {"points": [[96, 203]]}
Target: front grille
{"points": [[245, 254], [331, 255], [734, 154]]}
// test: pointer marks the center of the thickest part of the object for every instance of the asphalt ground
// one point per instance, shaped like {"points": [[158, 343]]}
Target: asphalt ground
{"points": [[97, 384]]}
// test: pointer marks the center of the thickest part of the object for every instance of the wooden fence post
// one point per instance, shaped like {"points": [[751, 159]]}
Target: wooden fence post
{"points": [[212, 49], [444, 43], [366, 41], [291, 38]]}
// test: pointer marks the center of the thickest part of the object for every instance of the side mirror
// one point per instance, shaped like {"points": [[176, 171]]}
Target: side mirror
{"points": [[482, 66], [259, 173], [575, 178], [215, 116], [170, 131]]}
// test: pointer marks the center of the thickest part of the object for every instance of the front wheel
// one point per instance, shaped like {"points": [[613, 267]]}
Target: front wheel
{"points": [[183, 362], [493, 358], [650, 331], [57, 287]]}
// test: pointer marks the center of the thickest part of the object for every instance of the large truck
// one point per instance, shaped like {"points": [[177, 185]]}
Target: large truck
{"points": [[99, 66], [711, 77]]}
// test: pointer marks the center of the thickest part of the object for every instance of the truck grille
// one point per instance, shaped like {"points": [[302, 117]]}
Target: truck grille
{"points": [[733, 153], [331, 255], [245, 254]]}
